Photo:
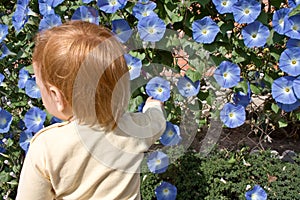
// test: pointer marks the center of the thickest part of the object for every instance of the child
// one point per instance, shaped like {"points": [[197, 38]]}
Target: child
{"points": [[96, 153]]}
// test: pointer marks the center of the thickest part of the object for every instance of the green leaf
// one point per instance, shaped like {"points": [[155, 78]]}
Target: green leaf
{"points": [[193, 75], [203, 2], [255, 89], [282, 123], [134, 103], [275, 107], [295, 11], [268, 79]]}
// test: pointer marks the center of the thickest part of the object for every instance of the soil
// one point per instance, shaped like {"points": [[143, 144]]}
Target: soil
{"points": [[246, 136]]}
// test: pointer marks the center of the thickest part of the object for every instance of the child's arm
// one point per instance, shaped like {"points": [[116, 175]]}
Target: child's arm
{"points": [[34, 183]]}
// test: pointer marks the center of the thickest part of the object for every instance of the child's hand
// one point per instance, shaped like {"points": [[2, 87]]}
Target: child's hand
{"points": [[150, 99]]}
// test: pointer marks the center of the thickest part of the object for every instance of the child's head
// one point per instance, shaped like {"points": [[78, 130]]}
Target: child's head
{"points": [[84, 64]]}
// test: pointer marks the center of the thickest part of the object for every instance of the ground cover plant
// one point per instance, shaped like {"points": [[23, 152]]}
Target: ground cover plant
{"points": [[214, 64]]}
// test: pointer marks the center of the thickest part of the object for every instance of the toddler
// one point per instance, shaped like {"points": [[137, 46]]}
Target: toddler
{"points": [[96, 153]]}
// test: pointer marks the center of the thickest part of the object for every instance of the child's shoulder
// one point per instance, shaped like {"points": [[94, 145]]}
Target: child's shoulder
{"points": [[52, 130]]}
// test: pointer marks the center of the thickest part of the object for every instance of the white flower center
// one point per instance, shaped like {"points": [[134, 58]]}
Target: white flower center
{"points": [[3, 121]]}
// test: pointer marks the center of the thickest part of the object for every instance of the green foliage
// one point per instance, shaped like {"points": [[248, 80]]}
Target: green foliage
{"points": [[226, 175]]}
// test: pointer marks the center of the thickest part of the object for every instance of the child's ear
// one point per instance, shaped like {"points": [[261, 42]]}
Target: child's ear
{"points": [[58, 98]]}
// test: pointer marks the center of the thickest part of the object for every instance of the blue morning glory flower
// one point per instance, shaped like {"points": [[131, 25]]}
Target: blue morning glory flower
{"points": [[122, 29], [187, 87], [4, 51], [5, 120], [171, 136], [134, 65], [289, 107], [233, 115], [227, 74], [158, 88], [205, 30], [2, 77], [86, 13], [255, 34], [55, 120], [86, 1], [49, 21], [143, 1], [3, 31], [292, 43], [151, 28], [240, 98], [34, 119], [158, 162], [293, 3], [294, 29], [141, 106], [246, 11], [280, 20], [282, 90], [111, 6], [224, 6], [257, 193], [296, 87], [25, 138], [23, 77], [20, 15], [31, 89], [141, 10], [166, 191], [2, 148], [46, 7], [289, 61]]}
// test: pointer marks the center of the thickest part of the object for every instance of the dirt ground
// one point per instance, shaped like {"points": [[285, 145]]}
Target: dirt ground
{"points": [[234, 139]]}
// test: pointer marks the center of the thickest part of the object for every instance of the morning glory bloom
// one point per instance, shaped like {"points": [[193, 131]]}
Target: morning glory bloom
{"points": [[34, 119], [25, 138], [233, 115], [4, 51], [5, 120], [293, 3], [23, 77], [134, 65], [227, 74], [280, 20], [3, 31], [122, 29], [151, 28], [289, 61], [296, 87], [187, 87], [292, 43], [240, 98], [289, 107], [86, 13], [257, 193], [111, 6], [141, 10], [158, 88], [31, 89], [282, 90], [246, 11], [294, 29], [86, 1], [224, 6], [255, 34], [171, 136], [55, 120], [49, 21], [205, 30], [20, 15], [166, 191], [2, 77], [46, 7], [158, 162]]}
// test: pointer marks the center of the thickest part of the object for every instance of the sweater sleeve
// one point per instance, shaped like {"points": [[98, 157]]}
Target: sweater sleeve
{"points": [[34, 183]]}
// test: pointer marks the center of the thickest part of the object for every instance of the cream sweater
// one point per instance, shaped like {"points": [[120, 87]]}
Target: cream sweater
{"points": [[74, 162]]}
